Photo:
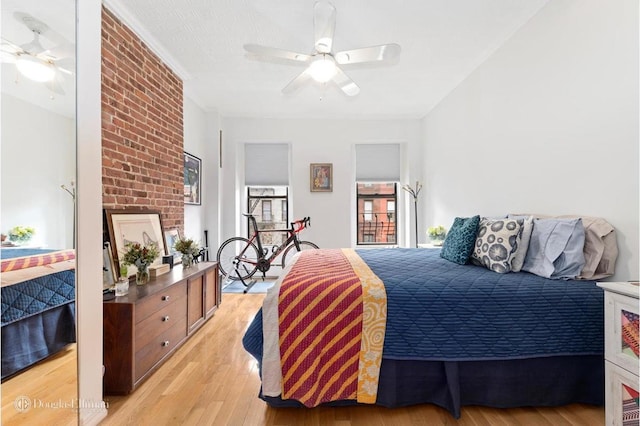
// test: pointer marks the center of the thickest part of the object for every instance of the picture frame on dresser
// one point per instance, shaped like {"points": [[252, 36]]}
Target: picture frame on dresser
{"points": [[134, 226]]}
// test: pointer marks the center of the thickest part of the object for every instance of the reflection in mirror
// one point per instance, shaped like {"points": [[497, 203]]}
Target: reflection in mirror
{"points": [[37, 211]]}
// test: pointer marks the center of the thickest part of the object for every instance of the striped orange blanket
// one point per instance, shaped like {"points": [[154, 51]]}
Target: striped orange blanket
{"points": [[331, 328], [36, 260]]}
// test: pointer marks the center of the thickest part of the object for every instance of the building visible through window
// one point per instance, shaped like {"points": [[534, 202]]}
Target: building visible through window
{"points": [[268, 204], [376, 213]]}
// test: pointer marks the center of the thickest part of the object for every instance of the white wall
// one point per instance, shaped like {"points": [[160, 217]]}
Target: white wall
{"points": [[201, 139], [314, 141], [38, 155], [548, 124]]}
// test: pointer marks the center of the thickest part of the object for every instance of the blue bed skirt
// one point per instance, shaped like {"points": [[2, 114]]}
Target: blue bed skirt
{"points": [[36, 337], [532, 382]]}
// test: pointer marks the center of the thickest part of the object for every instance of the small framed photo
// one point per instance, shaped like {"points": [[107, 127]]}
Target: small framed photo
{"points": [[321, 177], [192, 179], [171, 236], [109, 274]]}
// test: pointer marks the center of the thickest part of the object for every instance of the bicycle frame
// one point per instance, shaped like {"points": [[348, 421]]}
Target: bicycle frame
{"points": [[296, 228]]}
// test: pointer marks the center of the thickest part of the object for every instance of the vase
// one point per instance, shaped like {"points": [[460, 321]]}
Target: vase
{"points": [[142, 275], [187, 261]]}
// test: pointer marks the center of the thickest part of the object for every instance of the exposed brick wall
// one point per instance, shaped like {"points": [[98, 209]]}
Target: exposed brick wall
{"points": [[142, 126]]}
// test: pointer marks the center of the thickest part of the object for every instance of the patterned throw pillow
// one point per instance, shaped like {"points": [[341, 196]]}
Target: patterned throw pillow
{"points": [[458, 245], [496, 243]]}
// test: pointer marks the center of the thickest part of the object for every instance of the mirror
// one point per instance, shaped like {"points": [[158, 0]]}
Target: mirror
{"points": [[38, 174]]}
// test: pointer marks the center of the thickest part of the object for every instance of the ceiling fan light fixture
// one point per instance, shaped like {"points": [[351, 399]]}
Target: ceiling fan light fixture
{"points": [[35, 69], [322, 69]]}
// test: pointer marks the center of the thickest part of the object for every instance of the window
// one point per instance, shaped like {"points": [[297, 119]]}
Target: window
{"points": [[268, 204], [284, 212], [368, 210], [266, 210], [376, 213], [377, 171]]}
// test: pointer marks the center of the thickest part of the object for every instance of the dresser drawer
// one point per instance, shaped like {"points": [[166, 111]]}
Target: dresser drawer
{"points": [[147, 356], [159, 322], [159, 300]]}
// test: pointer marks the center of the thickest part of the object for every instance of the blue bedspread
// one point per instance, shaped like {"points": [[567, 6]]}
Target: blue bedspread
{"points": [[21, 252], [37, 295], [438, 310]]}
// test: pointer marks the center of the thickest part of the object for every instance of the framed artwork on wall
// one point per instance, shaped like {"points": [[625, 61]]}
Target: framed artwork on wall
{"points": [[321, 177], [134, 226], [192, 179]]}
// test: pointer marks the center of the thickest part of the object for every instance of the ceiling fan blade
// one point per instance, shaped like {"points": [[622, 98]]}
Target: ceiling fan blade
{"points": [[55, 85], [66, 65], [382, 53], [344, 82], [324, 23], [273, 52], [66, 50], [295, 84]]}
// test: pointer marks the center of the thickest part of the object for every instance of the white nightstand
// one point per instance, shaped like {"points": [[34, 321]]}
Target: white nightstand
{"points": [[622, 363]]}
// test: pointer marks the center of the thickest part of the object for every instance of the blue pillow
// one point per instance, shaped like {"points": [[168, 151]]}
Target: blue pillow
{"points": [[461, 239], [556, 248]]}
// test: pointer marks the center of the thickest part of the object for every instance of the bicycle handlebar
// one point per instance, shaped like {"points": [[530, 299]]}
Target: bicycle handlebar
{"points": [[302, 223]]}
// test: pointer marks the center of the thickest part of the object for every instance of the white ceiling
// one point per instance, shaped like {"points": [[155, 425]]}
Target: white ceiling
{"points": [[442, 41]]}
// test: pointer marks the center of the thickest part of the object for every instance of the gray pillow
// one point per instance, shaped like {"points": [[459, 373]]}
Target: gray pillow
{"points": [[556, 248], [521, 251], [496, 242]]}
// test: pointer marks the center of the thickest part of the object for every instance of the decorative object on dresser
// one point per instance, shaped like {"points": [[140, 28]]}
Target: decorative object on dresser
{"points": [[143, 328], [622, 361], [131, 225], [189, 250], [140, 256]]}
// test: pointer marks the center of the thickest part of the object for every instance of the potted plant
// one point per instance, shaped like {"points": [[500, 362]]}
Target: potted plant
{"points": [[141, 257], [188, 248], [21, 234], [437, 234]]}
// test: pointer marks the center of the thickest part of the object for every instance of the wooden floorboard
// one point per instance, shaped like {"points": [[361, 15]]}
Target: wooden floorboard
{"points": [[212, 380]]}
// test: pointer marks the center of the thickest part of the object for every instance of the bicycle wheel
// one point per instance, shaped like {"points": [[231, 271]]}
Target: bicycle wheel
{"points": [[238, 258], [291, 251]]}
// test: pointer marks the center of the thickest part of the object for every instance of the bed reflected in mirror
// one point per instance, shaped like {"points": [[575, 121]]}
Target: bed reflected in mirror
{"points": [[37, 210]]}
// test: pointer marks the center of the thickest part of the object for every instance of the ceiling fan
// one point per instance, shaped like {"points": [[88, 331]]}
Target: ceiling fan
{"points": [[324, 64], [35, 62]]}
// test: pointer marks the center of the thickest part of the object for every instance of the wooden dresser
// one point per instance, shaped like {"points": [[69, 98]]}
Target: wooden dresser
{"points": [[143, 328], [622, 362]]}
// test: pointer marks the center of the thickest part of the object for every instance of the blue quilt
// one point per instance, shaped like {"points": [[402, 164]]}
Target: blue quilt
{"points": [[36, 295], [438, 310]]}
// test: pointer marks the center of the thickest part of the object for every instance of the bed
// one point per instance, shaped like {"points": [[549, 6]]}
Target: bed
{"points": [[456, 335], [38, 305]]}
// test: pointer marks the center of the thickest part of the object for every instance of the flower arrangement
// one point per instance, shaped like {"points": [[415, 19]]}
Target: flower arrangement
{"points": [[189, 250], [21, 234], [186, 246], [437, 232], [140, 256]]}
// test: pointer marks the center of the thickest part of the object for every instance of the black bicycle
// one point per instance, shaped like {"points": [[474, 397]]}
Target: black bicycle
{"points": [[240, 258]]}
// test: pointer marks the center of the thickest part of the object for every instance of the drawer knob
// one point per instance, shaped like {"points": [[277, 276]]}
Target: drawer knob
{"points": [[165, 318], [165, 343], [165, 298]]}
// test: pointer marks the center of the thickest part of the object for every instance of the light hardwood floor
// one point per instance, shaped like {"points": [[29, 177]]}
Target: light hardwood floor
{"points": [[212, 380], [51, 389]]}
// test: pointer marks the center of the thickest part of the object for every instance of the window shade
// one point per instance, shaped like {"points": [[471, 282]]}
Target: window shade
{"points": [[378, 162], [266, 164]]}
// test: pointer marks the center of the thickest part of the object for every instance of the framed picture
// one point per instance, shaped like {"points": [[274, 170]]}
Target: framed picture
{"points": [[170, 237], [192, 179], [134, 226], [109, 274], [321, 177]]}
